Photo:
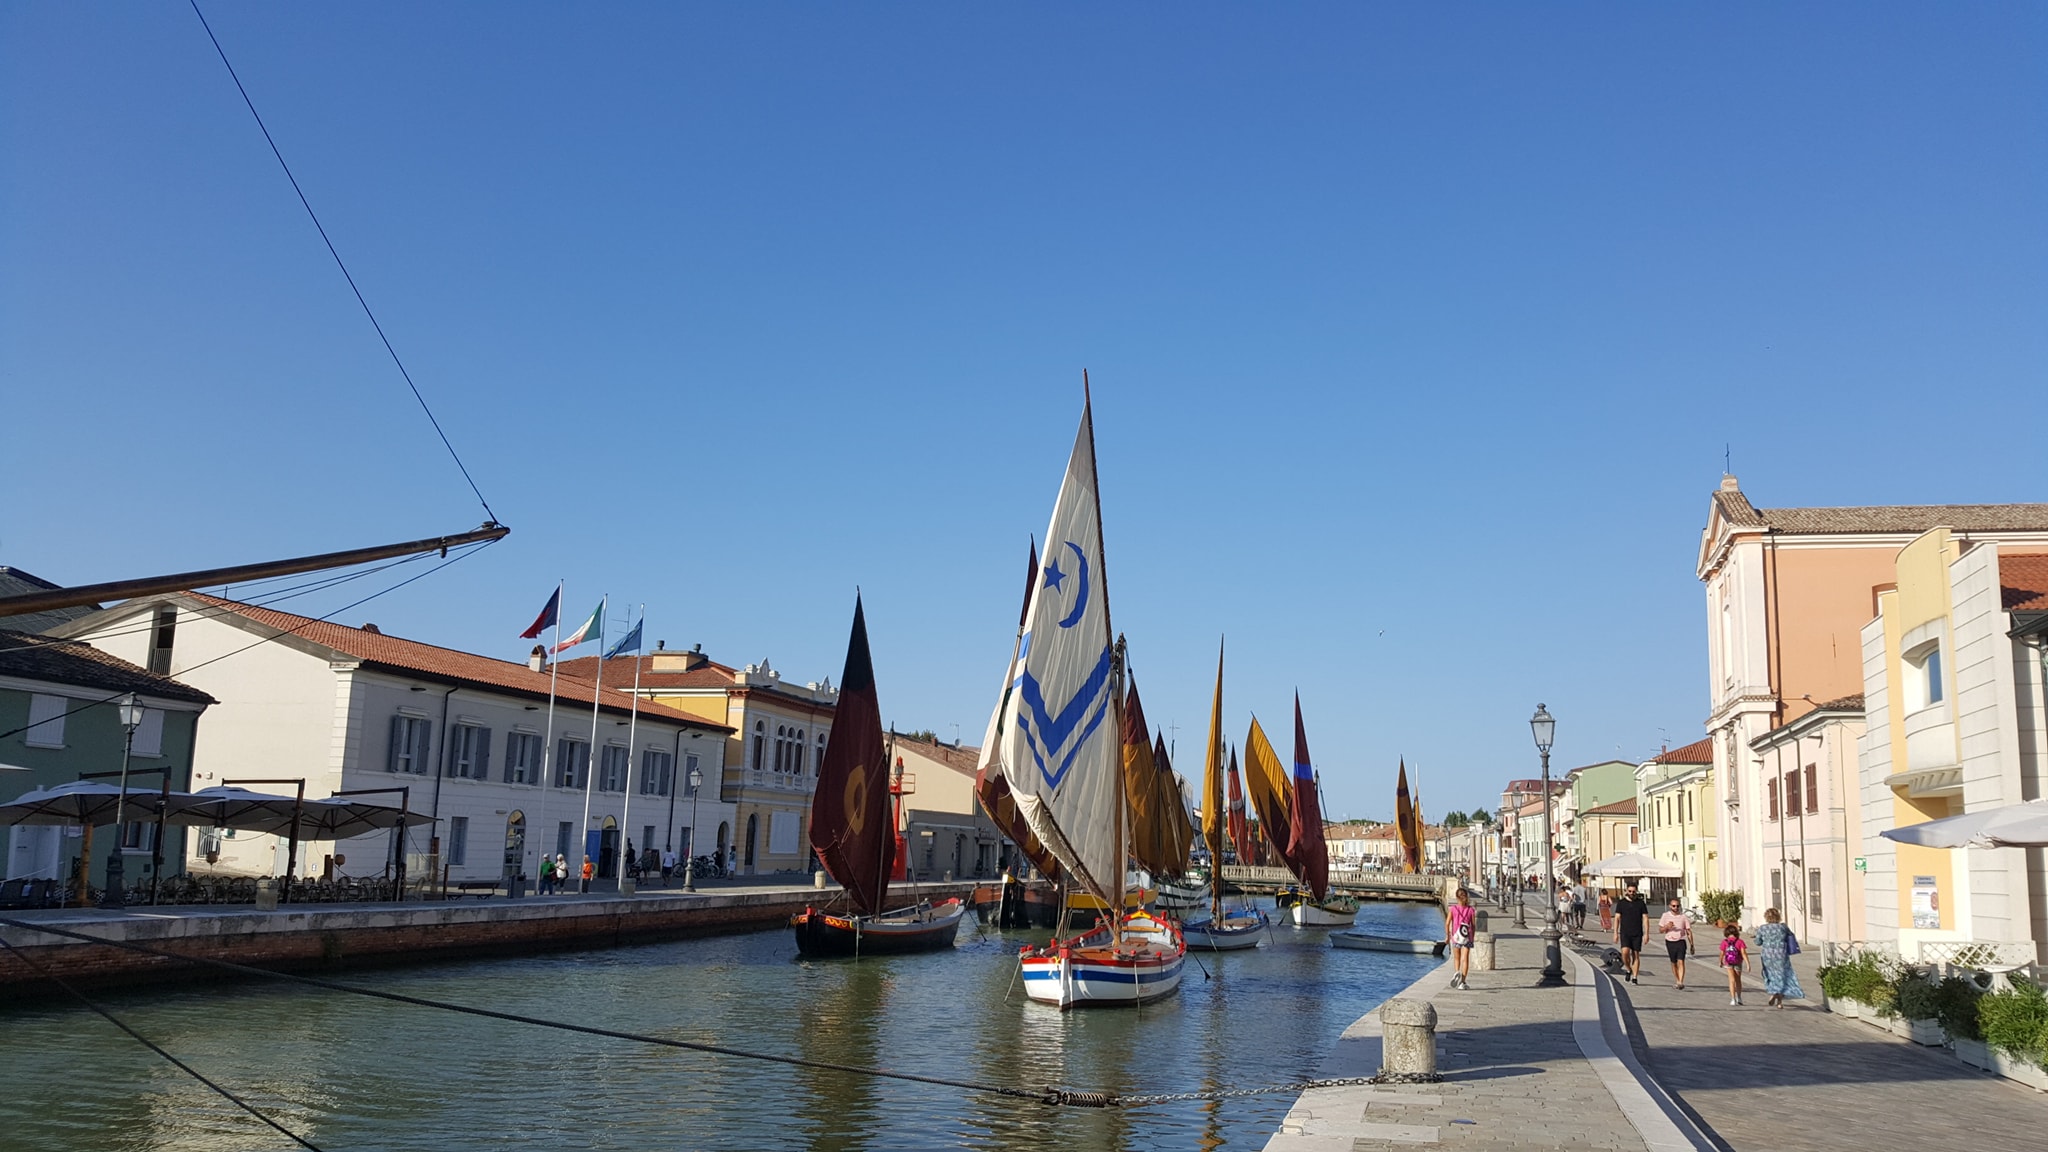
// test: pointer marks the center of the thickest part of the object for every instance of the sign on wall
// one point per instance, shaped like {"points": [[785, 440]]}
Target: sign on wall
{"points": [[1926, 903]]}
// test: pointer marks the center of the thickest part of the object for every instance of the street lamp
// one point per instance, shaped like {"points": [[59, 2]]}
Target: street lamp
{"points": [[1521, 862], [690, 868], [114, 896], [1545, 729]]}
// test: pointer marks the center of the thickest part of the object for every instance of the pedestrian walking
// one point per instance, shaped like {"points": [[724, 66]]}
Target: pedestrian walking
{"points": [[1630, 912], [561, 873], [1775, 947], [1606, 911], [732, 859], [589, 873], [1734, 961], [668, 865], [1564, 906], [1677, 929], [1579, 906], [1460, 921], [547, 876]]}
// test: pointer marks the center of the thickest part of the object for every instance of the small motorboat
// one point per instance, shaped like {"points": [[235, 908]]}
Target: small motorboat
{"points": [[1243, 928], [1371, 943], [1305, 912]]}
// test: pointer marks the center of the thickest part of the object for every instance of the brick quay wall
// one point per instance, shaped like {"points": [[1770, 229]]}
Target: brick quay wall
{"points": [[336, 937]]}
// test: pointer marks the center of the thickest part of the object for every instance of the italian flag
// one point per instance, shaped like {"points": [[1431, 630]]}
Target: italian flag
{"points": [[590, 629]]}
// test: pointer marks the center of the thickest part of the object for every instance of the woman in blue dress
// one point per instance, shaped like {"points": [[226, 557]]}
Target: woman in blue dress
{"points": [[1774, 949]]}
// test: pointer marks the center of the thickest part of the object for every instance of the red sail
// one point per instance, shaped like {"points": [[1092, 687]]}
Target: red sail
{"points": [[852, 821], [1240, 826], [1306, 850]]}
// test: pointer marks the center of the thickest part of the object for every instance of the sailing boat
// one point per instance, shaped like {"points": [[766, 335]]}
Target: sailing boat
{"points": [[853, 829], [1307, 853], [1057, 742], [1218, 931]]}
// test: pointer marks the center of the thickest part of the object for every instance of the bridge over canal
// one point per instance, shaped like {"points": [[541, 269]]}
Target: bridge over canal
{"points": [[1364, 883]]}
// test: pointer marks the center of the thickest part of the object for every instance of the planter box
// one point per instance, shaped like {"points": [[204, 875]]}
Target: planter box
{"points": [[1899, 1026], [2025, 1071], [1975, 1053], [1847, 1008], [1926, 1032]]}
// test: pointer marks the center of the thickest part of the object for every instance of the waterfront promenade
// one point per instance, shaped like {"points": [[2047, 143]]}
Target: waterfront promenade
{"points": [[1646, 1068]]}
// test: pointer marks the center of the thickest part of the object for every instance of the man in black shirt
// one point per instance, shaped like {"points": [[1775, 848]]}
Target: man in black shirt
{"points": [[1629, 913]]}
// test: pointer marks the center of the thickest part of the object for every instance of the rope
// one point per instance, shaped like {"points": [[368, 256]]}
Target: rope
{"points": [[1051, 1095], [146, 1042]]}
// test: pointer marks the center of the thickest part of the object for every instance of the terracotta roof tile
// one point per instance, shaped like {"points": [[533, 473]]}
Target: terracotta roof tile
{"points": [[2023, 582], [1697, 752], [1623, 807], [1853, 702], [961, 758], [1906, 518], [80, 665], [379, 649]]}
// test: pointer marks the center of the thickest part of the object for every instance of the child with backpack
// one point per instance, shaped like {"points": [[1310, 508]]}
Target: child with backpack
{"points": [[1735, 961]]}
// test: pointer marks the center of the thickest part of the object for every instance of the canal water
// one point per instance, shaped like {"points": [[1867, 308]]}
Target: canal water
{"points": [[357, 1074]]}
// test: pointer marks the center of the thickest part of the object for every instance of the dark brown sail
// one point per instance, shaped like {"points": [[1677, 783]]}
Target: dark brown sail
{"points": [[852, 825]]}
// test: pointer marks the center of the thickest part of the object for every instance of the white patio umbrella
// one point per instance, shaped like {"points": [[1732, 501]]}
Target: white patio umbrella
{"points": [[2012, 826], [1633, 864], [225, 806], [89, 802]]}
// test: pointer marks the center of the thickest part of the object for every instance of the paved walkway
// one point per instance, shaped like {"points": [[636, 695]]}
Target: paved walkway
{"points": [[1516, 1074], [1802, 1077]]}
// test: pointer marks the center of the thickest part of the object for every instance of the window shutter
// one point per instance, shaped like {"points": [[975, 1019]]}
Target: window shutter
{"points": [[511, 754], [423, 756], [397, 741], [481, 769]]}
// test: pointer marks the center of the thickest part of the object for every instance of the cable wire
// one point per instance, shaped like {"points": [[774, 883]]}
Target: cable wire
{"points": [[146, 1042], [338, 262]]}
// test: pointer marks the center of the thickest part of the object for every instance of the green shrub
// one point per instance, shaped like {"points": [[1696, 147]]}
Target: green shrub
{"points": [[1956, 1008], [1919, 998], [2014, 1020], [1722, 906], [1870, 978]]}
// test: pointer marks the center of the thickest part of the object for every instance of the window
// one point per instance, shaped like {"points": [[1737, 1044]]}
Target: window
{"points": [[646, 837], [138, 836], [161, 635], [458, 840], [46, 721], [1791, 795], [149, 735], [760, 742], [1922, 671], [572, 763], [657, 772], [1727, 643], [562, 832], [611, 768], [1813, 893], [781, 748], [796, 747], [522, 758], [469, 752], [1777, 888], [1774, 799], [1812, 789], [410, 750], [821, 750]]}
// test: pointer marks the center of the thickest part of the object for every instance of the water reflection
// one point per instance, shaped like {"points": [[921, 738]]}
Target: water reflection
{"points": [[359, 1074]]}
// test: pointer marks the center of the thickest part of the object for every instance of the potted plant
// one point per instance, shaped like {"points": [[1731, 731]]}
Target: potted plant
{"points": [[1721, 907], [1920, 1010], [1956, 1010], [2015, 1024], [1834, 987]]}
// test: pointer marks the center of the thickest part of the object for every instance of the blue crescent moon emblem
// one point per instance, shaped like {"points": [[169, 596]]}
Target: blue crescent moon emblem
{"points": [[1081, 597]]}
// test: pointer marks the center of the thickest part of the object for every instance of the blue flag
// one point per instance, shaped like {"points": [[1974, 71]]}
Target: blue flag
{"points": [[630, 640]]}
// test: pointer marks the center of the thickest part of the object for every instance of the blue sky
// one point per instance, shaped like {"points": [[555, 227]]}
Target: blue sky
{"points": [[1416, 335]]}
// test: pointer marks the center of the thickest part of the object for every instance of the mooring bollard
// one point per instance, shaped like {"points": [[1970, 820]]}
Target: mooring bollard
{"points": [[1408, 1039], [818, 878], [1482, 952], [1479, 920]]}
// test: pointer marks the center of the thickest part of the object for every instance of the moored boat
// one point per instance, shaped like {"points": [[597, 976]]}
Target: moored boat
{"points": [[1333, 912], [1220, 930], [1136, 962], [1369, 942], [1244, 928], [921, 928]]}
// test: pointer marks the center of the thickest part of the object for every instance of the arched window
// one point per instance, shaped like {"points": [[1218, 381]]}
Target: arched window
{"points": [[821, 748], [797, 746], [760, 742]]}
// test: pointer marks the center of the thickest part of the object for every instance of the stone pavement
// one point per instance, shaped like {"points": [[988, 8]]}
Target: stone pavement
{"points": [[1517, 1073], [1802, 1077]]}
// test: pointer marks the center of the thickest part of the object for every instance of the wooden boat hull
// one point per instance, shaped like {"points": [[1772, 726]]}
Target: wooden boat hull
{"points": [[926, 929], [1371, 943], [1308, 915], [1238, 930], [1031, 905], [1086, 972]]}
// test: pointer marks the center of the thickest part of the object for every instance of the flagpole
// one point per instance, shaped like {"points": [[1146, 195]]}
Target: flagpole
{"points": [[632, 735], [596, 707], [547, 747]]}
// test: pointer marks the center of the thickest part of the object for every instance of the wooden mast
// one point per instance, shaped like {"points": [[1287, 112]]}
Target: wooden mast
{"points": [[1119, 660]]}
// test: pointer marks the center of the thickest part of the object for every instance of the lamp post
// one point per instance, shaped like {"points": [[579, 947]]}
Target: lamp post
{"points": [[690, 868], [1545, 729], [114, 896], [1521, 862]]}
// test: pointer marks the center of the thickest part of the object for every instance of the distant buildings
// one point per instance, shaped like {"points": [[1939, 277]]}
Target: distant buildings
{"points": [[1678, 818]]}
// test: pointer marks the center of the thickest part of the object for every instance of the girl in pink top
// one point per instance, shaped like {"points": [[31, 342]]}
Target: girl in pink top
{"points": [[1460, 923], [1735, 959]]}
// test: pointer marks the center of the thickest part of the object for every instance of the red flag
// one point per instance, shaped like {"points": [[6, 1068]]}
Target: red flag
{"points": [[547, 617]]}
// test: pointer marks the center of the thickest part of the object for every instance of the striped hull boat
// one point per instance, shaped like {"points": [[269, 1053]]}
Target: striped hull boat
{"points": [[1087, 971]]}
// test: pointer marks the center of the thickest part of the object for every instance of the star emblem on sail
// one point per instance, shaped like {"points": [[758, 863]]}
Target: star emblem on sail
{"points": [[1050, 738]]}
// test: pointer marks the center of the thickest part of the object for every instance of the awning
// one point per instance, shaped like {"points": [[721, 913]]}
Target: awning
{"points": [[2011, 826]]}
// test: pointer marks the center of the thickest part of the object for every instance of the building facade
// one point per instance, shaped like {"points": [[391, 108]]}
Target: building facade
{"points": [[946, 835], [460, 738], [1676, 811], [60, 720], [1787, 594], [1953, 671]]}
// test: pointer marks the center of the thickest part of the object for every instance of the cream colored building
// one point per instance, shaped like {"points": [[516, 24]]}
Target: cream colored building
{"points": [[1953, 669], [1676, 812], [1811, 821], [946, 834], [1787, 594]]}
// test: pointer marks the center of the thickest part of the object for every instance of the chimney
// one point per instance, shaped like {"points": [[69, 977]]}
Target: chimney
{"points": [[373, 630], [538, 661]]}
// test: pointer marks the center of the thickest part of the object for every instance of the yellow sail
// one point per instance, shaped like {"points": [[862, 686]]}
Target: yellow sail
{"points": [[1271, 794]]}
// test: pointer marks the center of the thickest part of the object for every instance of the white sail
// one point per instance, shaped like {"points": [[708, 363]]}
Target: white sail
{"points": [[1059, 745]]}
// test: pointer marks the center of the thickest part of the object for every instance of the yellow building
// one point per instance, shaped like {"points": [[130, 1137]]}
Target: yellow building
{"points": [[771, 759], [1675, 810]]}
